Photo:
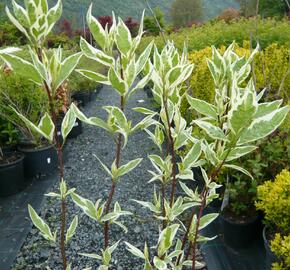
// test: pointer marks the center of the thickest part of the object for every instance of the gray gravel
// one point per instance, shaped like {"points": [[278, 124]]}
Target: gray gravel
{"points": [[84, 172]]}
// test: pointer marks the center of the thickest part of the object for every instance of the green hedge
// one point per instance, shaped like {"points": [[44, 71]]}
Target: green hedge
{"points": [[219, 33]]}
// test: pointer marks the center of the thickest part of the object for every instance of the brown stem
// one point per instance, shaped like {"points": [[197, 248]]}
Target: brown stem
{"points": [[172, 152], [113, 187], [163, 205], [60, 165]]}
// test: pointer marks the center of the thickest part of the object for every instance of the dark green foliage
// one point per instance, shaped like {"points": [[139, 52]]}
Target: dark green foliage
{"points": [[186, 12], [272, 8], [150, 24]]}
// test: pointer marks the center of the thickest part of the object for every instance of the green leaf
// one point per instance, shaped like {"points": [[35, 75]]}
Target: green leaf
{"points": [[159, 264], [123, 38], [66, 68], [16, 23], [47, 127], [213, 131], [142, 60], [243, 112], [264, 126], [23, 68], [128, 167], [71, 230], [206, 220], [68, 123], [92, 255], [135, 251], [96, 77], [238, 168], [240, 151], [144, 111], [117, 82], [192, 156], [54, 14], [96, 54], [268, 107], [96, 28], [202, 107], [41, 225]]}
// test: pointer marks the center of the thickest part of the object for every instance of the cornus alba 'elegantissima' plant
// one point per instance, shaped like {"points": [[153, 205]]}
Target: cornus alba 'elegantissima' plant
{"points": [[232, 124], [49, 70]]}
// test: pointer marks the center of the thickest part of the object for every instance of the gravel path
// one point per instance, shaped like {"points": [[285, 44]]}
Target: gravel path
{"points": [[84, 172]]}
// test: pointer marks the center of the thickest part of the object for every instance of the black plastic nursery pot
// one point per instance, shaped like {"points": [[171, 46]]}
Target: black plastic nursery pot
{"points": [[39, 161], [12, 176], [239, 234], [270, 256]]}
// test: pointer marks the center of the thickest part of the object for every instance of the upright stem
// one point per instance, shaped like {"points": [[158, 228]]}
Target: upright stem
{"points": [[60, 166], [113, 187], [172, 152]]}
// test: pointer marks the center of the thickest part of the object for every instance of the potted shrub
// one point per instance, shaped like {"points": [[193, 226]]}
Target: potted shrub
{"points": [[16, 93], [239, 218], [11, 162], [274, 201]]}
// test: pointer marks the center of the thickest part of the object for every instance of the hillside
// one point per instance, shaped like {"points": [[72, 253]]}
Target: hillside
{"points": [[74, 10]]}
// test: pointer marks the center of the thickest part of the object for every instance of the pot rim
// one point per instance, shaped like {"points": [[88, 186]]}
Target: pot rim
{"points": [[232, 222], [19, 160], [33, 150]]}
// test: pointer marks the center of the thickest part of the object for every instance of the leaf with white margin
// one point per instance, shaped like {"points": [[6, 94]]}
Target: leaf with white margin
{"points": [[238, 168], [96, 54], [202, 107], [192, 156], [22, 68], [159, 264], [124, 169], [213, 131], [141, 84], [41, 225], [66, 68], [135, 251], [268, 107], [68, 123], [104, 166], [17, 23], [144, 111], [117, 82], [263, 126], [206, 220], [240, 151], [96, 28], [45, 123], [123, 38], [94, 76], [71, 230], [143, 58]]}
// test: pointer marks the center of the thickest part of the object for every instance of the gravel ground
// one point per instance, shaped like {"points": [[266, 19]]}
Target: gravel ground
{"points": [[84, 172]]}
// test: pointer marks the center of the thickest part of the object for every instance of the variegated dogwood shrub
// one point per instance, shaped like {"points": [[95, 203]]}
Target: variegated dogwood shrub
{"points": [[233, 123]]}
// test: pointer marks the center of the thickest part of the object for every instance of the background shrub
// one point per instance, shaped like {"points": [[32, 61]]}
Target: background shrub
{"points": [[220, 33]]}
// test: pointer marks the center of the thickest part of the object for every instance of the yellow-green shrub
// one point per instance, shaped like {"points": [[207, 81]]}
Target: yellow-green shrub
{"points": [[270, 68], [274, 201], [281, 248]]}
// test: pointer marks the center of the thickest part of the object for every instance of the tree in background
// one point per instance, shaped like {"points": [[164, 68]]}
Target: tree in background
{"points": [[273, 8], [185, 12], [267, 8], [150, 25]]}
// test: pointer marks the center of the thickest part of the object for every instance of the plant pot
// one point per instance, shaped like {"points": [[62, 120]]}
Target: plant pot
{"points": [[76, 130], [12, 176], [217, 203], [39, 161], [82, 97], [239, 234], [270, 256]]}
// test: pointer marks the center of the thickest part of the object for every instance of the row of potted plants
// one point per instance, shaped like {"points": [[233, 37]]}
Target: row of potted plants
{"points": [[23, 153]]}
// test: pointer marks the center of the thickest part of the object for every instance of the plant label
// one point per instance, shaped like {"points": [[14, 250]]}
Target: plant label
{"points": [[48, 160]]}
